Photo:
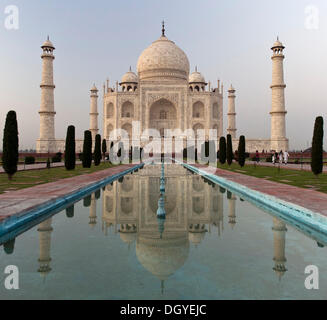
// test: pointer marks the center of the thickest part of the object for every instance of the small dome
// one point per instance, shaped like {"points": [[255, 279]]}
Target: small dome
{"points": [[196, 237], [163, 59], [129, 77], [128, 237], [196, 77], [48, 44], [277, 44], [94, 88]]}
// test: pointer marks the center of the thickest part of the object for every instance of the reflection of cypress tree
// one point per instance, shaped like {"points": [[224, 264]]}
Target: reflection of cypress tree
{"points": [[9, 246], [87, 201], [121, 179], [229, 195], [70, 212], [222, 190], [97, 194]]}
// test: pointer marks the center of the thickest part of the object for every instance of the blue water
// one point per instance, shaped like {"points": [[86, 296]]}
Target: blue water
{"points": [[213, 246]]}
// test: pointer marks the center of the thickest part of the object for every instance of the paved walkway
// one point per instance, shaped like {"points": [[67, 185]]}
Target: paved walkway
{"points": [[307, 198], [18, 202], [293, 166]]}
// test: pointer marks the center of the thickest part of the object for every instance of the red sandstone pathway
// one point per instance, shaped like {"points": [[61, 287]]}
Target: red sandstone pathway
{"points": [[18, 202], [310, 199]]}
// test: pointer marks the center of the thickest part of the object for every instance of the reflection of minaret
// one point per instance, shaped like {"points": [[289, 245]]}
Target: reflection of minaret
{"points": [[45, 230], [161, 212], [93, 211], [231, 210], [279, 230]]}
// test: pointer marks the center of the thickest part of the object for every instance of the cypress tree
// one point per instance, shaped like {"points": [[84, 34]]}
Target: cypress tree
{"points": [[70, 154], [241, 151], [222, 150], [111, 151], [97, 150], [104, 148], [317, 146], [229, 150], [87, 149], [10, 145]]}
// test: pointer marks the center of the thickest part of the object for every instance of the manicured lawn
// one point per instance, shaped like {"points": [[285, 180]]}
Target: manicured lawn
{"points": [[302, 179], [30, 178]]}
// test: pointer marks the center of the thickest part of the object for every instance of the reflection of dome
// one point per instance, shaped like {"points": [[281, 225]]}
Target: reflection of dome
{"points": [[163, 59], [162, 257], [129, 77]]}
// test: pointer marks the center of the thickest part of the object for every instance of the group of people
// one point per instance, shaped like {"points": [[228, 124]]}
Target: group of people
{"points": [[281, 157]]}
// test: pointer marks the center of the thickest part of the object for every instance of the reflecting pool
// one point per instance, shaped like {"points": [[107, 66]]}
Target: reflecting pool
{"points": [[210, 245]]}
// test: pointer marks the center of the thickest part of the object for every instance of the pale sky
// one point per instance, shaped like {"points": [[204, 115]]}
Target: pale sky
{"points": [[229, 40]]}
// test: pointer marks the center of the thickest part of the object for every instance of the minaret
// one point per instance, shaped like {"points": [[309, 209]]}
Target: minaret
{"points": [[45, 230], [231, 115], [94, 112], [278, 112], [279, 230], [46, 142]]}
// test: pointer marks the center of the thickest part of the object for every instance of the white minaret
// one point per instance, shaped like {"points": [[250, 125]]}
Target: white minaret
{"points": [[94, 112], [46, 142], [231, 114], [278, 112]]}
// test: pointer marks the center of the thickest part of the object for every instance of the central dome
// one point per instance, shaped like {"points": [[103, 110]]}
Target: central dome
{"points": [[163, 60]]}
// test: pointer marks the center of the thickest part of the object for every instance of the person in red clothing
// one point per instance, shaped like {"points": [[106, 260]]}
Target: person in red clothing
{"points": [[257, 156]]}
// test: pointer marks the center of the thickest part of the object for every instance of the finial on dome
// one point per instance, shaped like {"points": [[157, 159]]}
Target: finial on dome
{"points": [[130, 68], [163, 28], [48, 38], [196, 68]]}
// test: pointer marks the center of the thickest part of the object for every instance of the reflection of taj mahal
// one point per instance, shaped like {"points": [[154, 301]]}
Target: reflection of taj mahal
{"points": [[193, 208], [163, 95]]}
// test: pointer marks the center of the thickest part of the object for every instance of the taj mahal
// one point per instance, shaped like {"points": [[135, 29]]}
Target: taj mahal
{"points": [[163, 95]]}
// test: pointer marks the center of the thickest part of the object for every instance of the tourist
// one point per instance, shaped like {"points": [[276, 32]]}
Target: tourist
{"points": [[280, 157], [257, 156], [286, 156], [273, 158]]}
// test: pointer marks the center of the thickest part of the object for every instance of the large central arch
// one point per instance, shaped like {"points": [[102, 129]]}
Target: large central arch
{"points": [[163, 115]]}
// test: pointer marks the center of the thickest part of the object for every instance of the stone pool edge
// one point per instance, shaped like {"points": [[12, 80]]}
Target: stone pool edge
{"points": [[315, 220], [17, 220]]}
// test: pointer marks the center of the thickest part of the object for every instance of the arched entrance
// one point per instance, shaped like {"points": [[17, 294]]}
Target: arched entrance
{"points": [[163, 116]]}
